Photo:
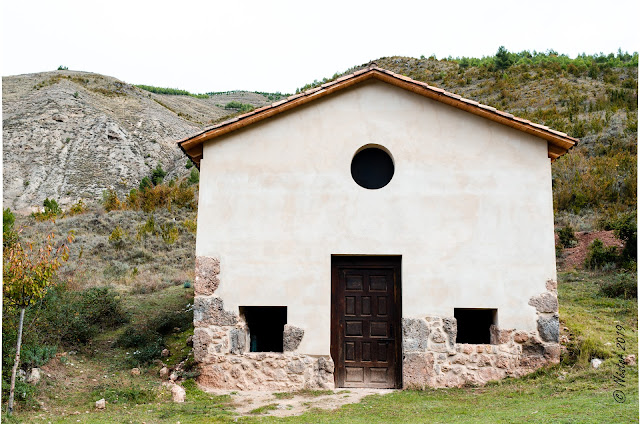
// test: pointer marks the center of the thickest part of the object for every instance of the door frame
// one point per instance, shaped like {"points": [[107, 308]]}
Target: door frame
{"points": [[337, 324]]}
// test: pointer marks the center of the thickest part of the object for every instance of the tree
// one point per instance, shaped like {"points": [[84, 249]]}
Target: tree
{"points": [[503, 58], [26, 276]]}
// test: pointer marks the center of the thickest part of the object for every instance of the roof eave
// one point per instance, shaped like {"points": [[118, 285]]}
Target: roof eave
{"points": [[558, 143]]}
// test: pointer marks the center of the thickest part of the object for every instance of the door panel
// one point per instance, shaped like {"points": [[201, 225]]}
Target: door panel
{"points": [[365, 316]]}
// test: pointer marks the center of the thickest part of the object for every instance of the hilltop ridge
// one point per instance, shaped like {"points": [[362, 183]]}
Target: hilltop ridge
{"points": [[70, 134]]}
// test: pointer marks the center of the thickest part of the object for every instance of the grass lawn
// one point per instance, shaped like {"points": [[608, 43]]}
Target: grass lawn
{"points": [[572, 392]]}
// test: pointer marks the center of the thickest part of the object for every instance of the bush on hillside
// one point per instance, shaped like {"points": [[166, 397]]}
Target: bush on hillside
{"points": [[9, 235], [626, 229], [162, 196], [110, 200], [567, 237], [73, 318], [157, 175], [51, 207], [600, 256], [624, 286], [194, 176]]}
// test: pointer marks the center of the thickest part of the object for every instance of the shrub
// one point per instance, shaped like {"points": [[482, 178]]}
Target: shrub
{"points": [[147, 337], [157, 175], [600, 256], [567, 237], [77, 208], [62, 68], [190, 225], [624, 286], [194, 177], [145, 183], [117, 270], [116, 238], [169, 233], [147, 228], [189, 164], [33, 356], [9, 235], [184, 196], [110, 200], [73, 318], [158, 196], [626, 229], [233, 105], [166, 322], [51, 207], [51, 210], [148, 345], [102, 308]]}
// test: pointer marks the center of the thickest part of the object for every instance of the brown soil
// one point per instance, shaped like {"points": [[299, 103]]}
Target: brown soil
{"points": [[573, 258]]}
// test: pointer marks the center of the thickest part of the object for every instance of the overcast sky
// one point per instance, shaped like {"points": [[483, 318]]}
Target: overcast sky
{"points": [[272, 45]]}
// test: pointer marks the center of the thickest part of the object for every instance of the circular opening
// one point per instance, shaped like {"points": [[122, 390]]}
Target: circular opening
{"points": [[372, 168]]}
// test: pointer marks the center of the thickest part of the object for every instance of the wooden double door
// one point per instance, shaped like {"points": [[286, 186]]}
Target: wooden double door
{"points": [[366, 321]]}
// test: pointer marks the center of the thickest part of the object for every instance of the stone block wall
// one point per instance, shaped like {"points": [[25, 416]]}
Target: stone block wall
{"points": [[221, 346]]}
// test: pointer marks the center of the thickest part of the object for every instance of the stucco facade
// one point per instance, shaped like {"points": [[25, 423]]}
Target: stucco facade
{"points": [[469, 211]]}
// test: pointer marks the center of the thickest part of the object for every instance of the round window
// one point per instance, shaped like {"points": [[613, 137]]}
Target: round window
{"points": [[372, 168]]}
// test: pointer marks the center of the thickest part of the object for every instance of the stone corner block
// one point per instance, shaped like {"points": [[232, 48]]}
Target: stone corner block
{"points": [[291, 337], [545, 303], [415, 334], [207, 270], [210, 311], [549, 328]]}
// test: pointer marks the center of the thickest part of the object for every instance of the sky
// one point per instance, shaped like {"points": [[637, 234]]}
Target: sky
{"points": [[204, 46]]}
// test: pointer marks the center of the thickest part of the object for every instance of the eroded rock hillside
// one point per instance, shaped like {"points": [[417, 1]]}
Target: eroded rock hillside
{"points": [[69, 135]]}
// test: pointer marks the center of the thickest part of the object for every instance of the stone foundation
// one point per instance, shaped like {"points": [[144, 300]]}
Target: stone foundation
{"points": [[221, 347], [431, 357]]}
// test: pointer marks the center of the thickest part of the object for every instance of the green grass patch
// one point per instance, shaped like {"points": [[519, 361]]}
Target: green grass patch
{"points": [[264, 409]]}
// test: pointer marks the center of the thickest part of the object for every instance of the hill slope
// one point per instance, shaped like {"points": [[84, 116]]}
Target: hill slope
{"points": [[70, 135]]}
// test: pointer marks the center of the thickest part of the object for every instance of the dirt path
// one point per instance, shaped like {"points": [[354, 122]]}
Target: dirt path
{"points": [[284, 404]]}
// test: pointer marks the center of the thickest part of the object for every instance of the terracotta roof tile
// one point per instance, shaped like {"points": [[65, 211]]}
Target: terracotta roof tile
{"points": [[469, 105], [260, 109], [471, 102], [360, 72], [329, 84], [312, 90], [505, 114], [295, 96], [278, 103], [560, 133], [487, 107]]}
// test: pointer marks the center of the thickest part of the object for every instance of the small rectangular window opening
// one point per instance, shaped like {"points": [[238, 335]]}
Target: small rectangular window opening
{"points": [[266, 325], [474, 325]]}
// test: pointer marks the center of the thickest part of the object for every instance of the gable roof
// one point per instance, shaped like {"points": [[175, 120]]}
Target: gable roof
{"points": [[558, 142]]}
